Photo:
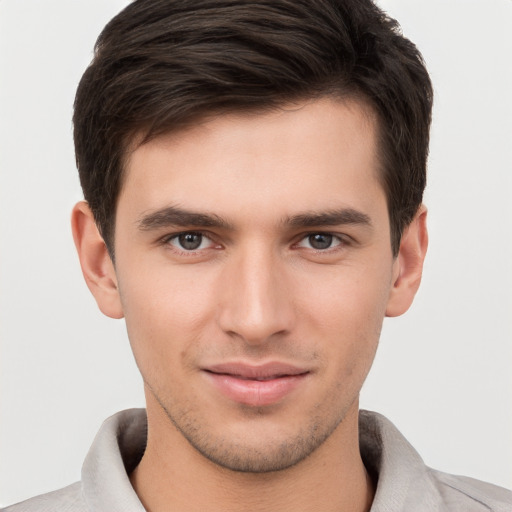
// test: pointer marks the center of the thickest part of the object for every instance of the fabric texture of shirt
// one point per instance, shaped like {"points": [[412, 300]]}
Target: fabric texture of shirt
{"points": [[404, 482]]}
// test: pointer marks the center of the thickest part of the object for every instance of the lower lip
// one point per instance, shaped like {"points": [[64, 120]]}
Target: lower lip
{"points": [[256, 393]]}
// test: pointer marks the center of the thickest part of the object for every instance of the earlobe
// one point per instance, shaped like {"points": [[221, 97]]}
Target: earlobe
{"points": [[409, 265], [97, 266]]}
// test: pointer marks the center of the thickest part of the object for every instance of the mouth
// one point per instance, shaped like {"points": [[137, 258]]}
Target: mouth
{"points": [[255, 386]]}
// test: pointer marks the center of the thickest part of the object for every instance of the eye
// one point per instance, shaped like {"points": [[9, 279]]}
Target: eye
{"points": [[190, 241], [320, 241]]}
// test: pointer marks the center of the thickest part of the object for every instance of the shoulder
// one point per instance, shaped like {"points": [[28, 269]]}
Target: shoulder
{"points": [[467, 494], [67, 499], [405, 483]]}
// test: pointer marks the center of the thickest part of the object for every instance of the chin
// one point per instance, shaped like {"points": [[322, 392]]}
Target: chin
{"points": [[258, 449]]}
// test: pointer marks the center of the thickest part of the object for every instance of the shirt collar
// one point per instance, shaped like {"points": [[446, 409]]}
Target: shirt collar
{"points": [[404, 483], [116, 450]]}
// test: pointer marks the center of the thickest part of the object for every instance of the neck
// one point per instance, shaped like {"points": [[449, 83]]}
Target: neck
{"points": [[173, 476]]}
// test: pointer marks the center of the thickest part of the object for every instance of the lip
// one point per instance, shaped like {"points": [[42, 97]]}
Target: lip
{"points": [[258, 385]]}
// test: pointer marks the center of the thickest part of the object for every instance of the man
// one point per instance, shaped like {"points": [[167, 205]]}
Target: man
{"points": [[254, 175]]}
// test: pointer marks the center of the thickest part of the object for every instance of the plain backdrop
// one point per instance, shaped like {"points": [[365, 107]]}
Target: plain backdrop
{"points": [[443, 373]]}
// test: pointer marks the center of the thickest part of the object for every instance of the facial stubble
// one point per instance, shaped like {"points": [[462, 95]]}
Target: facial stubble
{"points": [[235, 456]]}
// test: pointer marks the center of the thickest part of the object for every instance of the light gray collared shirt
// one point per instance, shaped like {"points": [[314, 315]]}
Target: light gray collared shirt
{"points": [[404, 483]]}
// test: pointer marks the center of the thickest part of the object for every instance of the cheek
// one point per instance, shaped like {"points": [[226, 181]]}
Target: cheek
{"points": [[347, 298], [160, 292], [165, 312], [345, 316]]}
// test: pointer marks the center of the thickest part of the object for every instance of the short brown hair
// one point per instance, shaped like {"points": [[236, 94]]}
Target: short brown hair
{"points": [[160, 65]]}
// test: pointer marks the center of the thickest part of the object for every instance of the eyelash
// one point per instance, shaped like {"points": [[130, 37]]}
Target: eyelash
{"points": [[166, 241], [343, 241]]}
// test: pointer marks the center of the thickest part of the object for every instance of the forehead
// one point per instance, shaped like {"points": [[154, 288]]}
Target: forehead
{"points": [[304, 156]]}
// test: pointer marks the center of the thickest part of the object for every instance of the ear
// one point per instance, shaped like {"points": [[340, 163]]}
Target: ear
{"points": [[408, 265], [97, 266]]}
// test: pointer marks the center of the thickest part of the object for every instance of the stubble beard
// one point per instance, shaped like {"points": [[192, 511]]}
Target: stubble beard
{"points": [[250, 457]]}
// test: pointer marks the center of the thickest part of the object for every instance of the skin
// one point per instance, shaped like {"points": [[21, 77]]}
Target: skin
{"points": [[256, 290]]}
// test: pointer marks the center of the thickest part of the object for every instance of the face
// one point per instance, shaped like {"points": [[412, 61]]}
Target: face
{"points": [[254, 267]]}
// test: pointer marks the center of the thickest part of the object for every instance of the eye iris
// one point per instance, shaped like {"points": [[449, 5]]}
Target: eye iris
{"points": [[320, 241], [190, 241]]}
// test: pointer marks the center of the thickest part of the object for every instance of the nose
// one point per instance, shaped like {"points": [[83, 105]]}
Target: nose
{"points": [[254, 300]]}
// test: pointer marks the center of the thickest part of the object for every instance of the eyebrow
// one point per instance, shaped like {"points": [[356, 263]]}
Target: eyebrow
{"points": [[176, 216], [338, 217]]}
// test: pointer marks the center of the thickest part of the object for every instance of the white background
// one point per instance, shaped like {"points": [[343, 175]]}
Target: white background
{"points": [[443, 373]]}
